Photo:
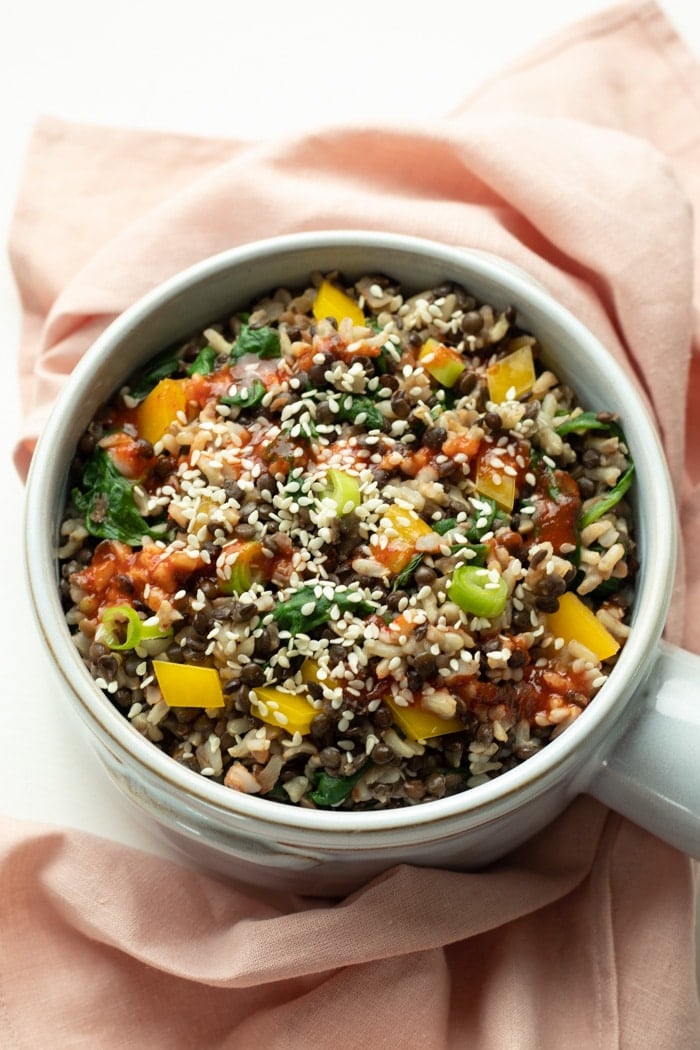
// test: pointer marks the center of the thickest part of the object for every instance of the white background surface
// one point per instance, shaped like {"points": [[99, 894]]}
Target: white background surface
{"points": [[248, 71]]}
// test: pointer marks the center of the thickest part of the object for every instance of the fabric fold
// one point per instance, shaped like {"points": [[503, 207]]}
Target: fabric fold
{"points": [[433, 957]]}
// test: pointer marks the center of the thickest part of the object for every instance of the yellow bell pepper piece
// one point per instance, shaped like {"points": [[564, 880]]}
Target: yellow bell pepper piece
{"points": [[291, 711], [419, 724], [309, 673], [160, 408], [331, 302], [574, 621], [512, 376], [493, 483], [442, 362], [186, 685], [405, 528]]}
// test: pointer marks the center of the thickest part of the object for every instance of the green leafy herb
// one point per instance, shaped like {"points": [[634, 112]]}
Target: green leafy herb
{"points": [[331, 791], [386, 359], [580, 424], [606, 503], [263, 342], [539, 465], [479, 550], [289, 616], [487, 519], [403, 577], [608, 587], [586, 421], [589, 421], [204, 362], [248, 396], [295, 483], [162, 366], [441, 527], [446, 400], [307, 429], [389, 353], [106, 499], [351, 407], [553, 490]]}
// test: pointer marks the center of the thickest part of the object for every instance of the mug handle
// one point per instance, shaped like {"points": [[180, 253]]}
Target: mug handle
{"points": [[652, 774]]}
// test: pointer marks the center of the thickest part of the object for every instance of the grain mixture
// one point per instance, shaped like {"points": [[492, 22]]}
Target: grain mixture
{"points": [[351, 548]]}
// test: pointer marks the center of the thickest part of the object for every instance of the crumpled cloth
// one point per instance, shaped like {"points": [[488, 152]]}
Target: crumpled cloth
{"points": [[580, 163]]}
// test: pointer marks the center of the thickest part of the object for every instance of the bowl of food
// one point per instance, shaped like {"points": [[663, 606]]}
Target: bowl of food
{"points": [[353, 549]]}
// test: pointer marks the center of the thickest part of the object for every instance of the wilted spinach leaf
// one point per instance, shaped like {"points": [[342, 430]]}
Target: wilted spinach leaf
{"points": [[351, 407], [263, 342], [289, 616], [331, 791], [106, 499], [606, 503], [204, 362], [247, 397], [162, 366]]}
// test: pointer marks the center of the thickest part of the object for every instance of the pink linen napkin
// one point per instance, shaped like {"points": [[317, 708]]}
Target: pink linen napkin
{"points": [[581, 163]]}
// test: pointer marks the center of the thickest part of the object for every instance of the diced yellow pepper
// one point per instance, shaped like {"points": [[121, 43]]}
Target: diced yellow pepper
{"points": [[512, 376], [442, 362], [160, 408], [493, 483], [186, 685], [406, 527], [574, 621], [290, 711], [419, 724], [330, 301], [309, 673]]}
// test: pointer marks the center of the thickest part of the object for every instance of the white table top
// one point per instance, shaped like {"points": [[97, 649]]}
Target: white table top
{"points": [[143, 67]]}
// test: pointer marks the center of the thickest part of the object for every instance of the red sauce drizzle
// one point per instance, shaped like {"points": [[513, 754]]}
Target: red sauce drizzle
{"points": [[557, 503]]}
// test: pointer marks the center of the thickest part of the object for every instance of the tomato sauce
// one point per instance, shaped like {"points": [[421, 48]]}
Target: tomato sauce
{"points": [[132, 456], [118, 575], [494, 459], [540, 689], [557, 503], [202, 388]]}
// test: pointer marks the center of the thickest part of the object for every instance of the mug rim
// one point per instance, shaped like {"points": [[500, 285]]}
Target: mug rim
{"points": [[653, 586]]}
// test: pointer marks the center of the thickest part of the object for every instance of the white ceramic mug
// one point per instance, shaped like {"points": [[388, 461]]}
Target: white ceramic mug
{"points": [[636, 747]]}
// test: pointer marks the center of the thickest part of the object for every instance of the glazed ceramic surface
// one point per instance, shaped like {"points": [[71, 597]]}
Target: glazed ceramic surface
{"points": [[636, 747]]}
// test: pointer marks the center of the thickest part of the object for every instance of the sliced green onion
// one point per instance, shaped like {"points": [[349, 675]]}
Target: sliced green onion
{"points": [[477, 592], [240, 580], [250, 566], [344, 490], [123, 628]]}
